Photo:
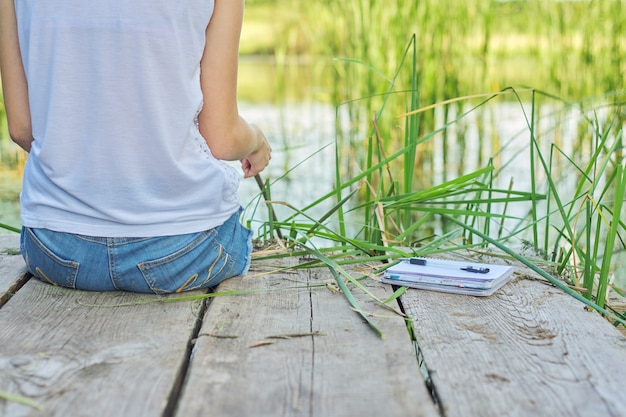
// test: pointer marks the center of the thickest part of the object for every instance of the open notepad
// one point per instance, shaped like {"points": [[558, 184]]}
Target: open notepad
{"points": [[465, 277]]}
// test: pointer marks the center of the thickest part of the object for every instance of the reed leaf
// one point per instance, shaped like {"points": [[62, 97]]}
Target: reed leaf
{"points": [[620, 193], [10, 228], [334, 269], [20, 400], [197, 297], [557, 283]]}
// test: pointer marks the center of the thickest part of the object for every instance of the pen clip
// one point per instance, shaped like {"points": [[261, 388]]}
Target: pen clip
{"points": [[476, 270]]}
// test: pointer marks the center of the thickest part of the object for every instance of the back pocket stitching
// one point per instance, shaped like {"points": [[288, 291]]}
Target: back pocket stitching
{"points": [[72, 265]]}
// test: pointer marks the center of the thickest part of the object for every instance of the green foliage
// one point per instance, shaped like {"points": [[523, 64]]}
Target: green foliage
{"points": [[469, 46], [406, 215]]}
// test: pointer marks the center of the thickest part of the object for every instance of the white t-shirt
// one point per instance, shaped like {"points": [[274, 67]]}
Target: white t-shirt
{"points": [[114, 88]]}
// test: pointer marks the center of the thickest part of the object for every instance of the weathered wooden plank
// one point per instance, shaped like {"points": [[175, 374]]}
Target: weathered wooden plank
{"points": [[528, 350], [347, 371], [66, 351], [9, 242], [12, 269], [358, 374]]}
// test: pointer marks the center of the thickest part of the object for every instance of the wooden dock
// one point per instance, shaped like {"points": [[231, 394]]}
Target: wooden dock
{"points": [[285, 343]]}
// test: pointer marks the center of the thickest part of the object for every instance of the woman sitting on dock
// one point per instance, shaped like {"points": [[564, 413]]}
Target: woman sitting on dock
{"points": [[128, 110]]}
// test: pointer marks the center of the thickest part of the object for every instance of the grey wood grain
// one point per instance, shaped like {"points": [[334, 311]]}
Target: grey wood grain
{"points": [[347, 371], [68, 351], [528, 350], [12, 269]]}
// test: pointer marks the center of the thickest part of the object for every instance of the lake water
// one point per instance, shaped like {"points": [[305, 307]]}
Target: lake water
{"points": [[303, 138]]}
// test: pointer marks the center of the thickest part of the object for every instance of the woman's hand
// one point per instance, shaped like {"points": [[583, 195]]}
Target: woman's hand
{"points": [[258, 159]]}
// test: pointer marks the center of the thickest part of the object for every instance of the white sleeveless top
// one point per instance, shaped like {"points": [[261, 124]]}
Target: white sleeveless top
{"points": [[114, 89]]}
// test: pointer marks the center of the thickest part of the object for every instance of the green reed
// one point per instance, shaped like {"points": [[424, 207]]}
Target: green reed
{"points": [[575, 233], [574, 49], [405, 214]]}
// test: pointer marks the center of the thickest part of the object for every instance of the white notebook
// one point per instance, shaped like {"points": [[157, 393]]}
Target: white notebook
{"points": [[460, 277]]}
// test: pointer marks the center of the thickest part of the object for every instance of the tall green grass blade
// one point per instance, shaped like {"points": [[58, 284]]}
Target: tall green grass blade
{"points": [[412, 130], [557, 283], [265, 189], [620, 193], [414, 226], [334, 268], [505, 209], [197, 297], [397, 294], [338, 191], [20, 400], [589, 273], [370, 68], [533, 180], [10, 228], [330, 212]]}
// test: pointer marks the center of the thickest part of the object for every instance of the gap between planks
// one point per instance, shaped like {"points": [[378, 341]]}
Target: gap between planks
{"points": [[339, 367], [13, 273], [528, 350]]}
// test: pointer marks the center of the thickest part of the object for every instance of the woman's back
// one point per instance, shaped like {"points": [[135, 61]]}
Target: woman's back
{"points": [[114, 94]]}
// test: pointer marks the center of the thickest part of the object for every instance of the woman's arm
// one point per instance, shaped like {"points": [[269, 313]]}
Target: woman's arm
{"points": [[228, 136], [14, 85]]}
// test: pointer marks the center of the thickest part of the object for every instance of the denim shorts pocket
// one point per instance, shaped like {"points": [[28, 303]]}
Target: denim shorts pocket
{"points": [[45, 264], [201, 263]]}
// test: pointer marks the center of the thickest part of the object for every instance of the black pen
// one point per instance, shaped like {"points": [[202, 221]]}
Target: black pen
{"points": [[430, 262]]}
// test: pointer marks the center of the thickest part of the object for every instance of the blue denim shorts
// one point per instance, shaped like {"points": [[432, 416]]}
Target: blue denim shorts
{"points": [[157, 265]]}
